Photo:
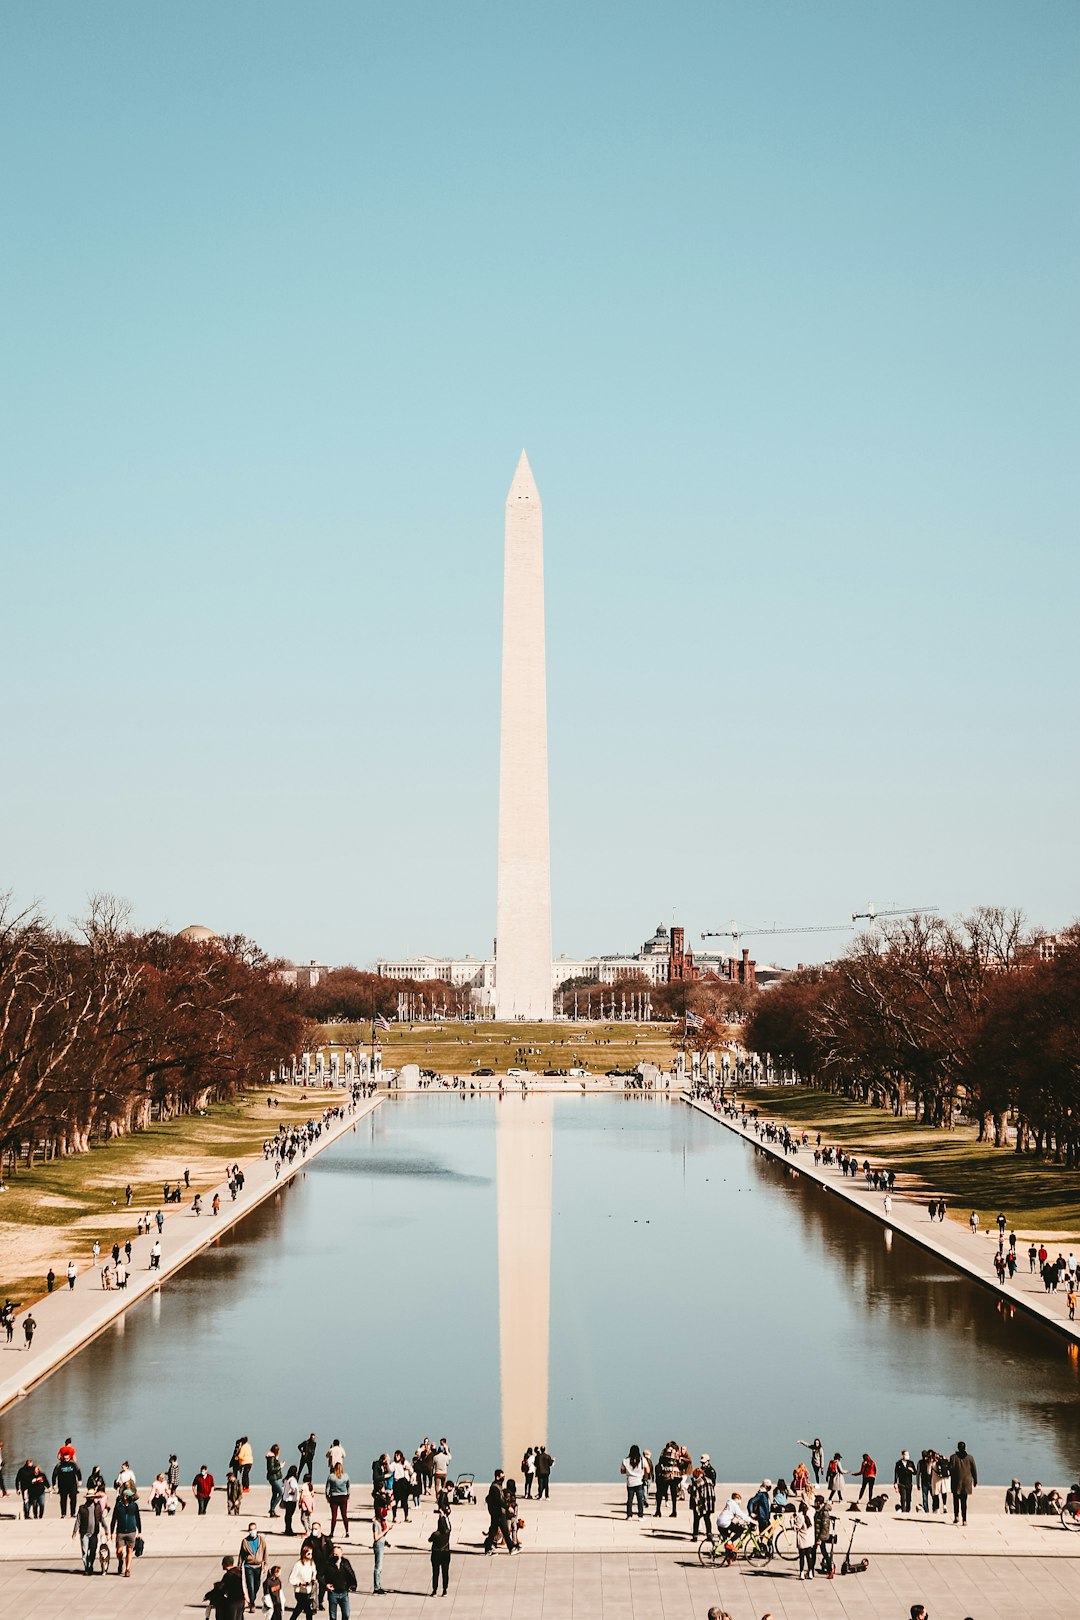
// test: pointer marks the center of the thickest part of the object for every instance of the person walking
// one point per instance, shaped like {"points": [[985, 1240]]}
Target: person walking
{"points": [[337, 1496], [89, 1523], [126, 1526], [31, 1485], [304, 1580], [272, 1593], [321, 1550], [702, 1501], [633, 1466], [290, 1497], [307, 1449], [964, 1477], [245, 1459], [252, 1559], [904, 1479], [379, 1544], [823, 1535], [441, 1465], [226, 1596], [402, 1475], [667, 1479], [440, 1554], [834, 1477], [867, 1473], [805, 1539], [274, 1478], [29, 1328], [973, 1222], [340, 1582], [545, 1462], [66, 1478], [202, 1488], [495, 1502]]}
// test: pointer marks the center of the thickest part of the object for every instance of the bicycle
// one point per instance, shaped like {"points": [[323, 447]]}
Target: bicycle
{"points": [[738, 1541], [1070, 1513]]}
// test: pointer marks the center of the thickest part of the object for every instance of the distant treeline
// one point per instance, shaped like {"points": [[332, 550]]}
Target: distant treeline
{"points": [[978, 1016], [103, 1029], [349, 995]]}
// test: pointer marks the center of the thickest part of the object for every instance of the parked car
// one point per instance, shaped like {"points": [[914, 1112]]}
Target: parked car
{"points": [[516, 1074], [578, 1074], [484, 1074]]}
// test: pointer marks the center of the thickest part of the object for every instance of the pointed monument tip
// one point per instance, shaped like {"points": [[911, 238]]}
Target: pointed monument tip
{"points": [[523, 485]]}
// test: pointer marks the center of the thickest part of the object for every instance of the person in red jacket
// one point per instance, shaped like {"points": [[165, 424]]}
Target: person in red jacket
{"points": [[867, 1472], [202, 1488]]}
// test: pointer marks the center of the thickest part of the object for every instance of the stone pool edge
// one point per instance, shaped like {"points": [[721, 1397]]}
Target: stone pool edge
{"points": [[98, 1310], [896, 1221]]}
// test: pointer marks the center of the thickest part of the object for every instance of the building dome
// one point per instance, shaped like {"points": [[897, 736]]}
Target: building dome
{"points": [[198, 935]]}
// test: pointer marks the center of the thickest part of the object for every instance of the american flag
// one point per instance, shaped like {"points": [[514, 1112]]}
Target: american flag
{"points": [[380, 1022], [693, 1021]]}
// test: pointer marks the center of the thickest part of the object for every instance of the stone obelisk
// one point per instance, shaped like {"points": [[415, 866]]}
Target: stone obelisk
{"points": [[523, 926]]}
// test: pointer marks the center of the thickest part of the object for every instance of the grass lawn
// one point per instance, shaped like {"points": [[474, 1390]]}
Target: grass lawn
{"points": [[1038, 1196], [462, 1048], [53, 1212]]}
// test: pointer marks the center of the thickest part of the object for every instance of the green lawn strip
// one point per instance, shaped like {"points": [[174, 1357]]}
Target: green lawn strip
{"points": [[454, 1049], [90, 1187], [1036, 1195]]}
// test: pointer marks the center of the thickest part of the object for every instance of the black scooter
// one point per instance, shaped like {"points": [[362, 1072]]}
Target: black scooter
{"points": [[857, 1566]]}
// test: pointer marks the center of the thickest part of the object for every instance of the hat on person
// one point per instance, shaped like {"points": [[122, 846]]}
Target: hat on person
{"points": [[705, 1457], [766, 1484]]}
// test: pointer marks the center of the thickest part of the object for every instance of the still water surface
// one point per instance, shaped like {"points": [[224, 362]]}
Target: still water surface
{"points": [[699, 1290]]}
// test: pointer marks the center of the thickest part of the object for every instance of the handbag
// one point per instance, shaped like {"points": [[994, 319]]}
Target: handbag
{"points": [[140, 1546]]}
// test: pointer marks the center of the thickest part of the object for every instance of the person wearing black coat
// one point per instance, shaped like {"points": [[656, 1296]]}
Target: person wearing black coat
{"points": [[66, 1478], [340, 1581], [496, 1506], [440, 1554], [964, 1479], [226, 1596]]}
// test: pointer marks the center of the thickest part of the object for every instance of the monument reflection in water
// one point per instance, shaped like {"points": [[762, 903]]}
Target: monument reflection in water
{"points": [[697, 1291]]}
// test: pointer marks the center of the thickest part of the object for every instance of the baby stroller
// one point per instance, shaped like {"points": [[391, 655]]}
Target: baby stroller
{"points": [[463, 1488]]}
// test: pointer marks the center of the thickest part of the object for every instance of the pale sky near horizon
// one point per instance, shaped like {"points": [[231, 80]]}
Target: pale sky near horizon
{"points": [[782, 301]]}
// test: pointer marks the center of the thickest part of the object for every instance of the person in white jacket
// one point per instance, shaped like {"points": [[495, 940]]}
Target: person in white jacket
{"points": [[304, 1580], [732, 1512]]}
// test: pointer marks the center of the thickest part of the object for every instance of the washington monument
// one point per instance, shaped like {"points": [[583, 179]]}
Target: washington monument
{"points": [[523, 922]]}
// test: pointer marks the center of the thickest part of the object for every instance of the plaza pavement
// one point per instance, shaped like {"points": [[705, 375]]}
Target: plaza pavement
{"points": [[951, 1240], [581, 1559], [68, 1319]]}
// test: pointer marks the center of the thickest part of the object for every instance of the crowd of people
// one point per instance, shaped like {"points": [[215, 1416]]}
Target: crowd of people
{"points": [[674, 1477], [321, 1573], [108, 1523]]}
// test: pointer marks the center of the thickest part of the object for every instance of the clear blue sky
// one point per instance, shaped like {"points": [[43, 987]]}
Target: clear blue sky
{"points": [[782, 300]]}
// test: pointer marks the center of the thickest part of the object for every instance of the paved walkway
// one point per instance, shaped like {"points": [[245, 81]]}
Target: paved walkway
{"points": [[581, 1559], [69, 1318], [948, 1239]]}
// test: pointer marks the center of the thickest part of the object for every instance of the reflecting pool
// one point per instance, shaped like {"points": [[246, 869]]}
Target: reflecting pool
{"points": [[698, 1290]]}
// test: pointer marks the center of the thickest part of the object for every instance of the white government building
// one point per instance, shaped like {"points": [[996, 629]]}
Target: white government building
{"points": [[651, 963]]}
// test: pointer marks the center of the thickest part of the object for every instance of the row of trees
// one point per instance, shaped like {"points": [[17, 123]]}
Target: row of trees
{"points": [[976, 1016], [103, 1028], [349, 995]]}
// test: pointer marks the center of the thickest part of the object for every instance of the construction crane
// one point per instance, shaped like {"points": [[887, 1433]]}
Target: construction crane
{"points": [[871, 914], [736, 933]]}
